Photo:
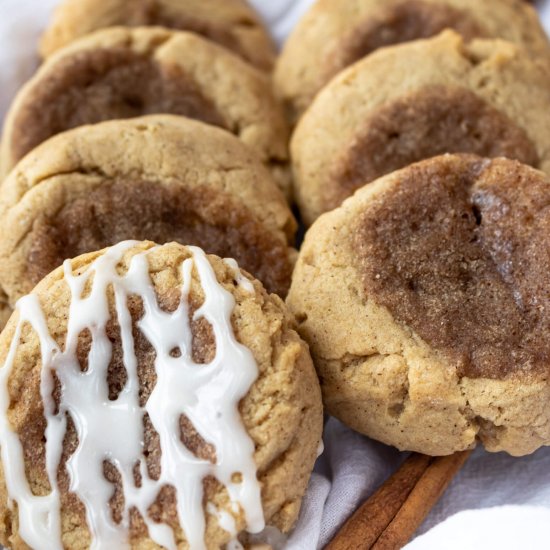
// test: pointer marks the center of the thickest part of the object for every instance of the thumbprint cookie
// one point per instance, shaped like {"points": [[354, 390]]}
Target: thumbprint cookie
{"points": [[414, 101], [123, 72], [162, 178], [425, 301]]}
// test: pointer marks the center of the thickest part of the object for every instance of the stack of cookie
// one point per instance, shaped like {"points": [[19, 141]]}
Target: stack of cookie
{"points": [[414, 294], [423, 296], [479, 88], [420, 286], [211, 66], [150, 396]]}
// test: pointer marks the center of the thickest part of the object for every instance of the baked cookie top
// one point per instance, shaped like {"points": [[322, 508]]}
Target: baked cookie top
{"points": [[414, 101], [231, 23], [162, 178], [155, 396], [336, 33], [425, 302], [127, 72]]}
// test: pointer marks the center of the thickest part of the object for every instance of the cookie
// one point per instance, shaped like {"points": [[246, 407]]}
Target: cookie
{"points": [[162, 178], [414, 101], [231, 23], [156, 397], [424, 299], [122, 73], [336, 33]]}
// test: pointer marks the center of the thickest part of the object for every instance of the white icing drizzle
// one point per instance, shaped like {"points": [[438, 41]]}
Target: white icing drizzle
{"points": [[320, 448], [234, 544], [271, 536], [241, 280], [208, 395], [225, 520], [39, 516]]}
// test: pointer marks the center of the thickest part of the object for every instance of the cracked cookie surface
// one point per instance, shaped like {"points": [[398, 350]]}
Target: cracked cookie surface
{"points": [[414, 101], [129, 72], [425, 302], [282, 412], [161, 178]]}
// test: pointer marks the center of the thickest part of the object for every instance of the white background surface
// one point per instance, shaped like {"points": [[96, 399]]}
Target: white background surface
{"points": [[353, 466]]}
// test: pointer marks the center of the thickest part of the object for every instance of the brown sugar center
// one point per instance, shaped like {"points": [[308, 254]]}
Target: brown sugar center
{"points": [[106, 84], [458, 251], [429, 122], [143, 210], [402, 22]]}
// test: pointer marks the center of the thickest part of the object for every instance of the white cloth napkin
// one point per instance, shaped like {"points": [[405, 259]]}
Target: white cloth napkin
{"points": [[515, 527], [352, 466]]}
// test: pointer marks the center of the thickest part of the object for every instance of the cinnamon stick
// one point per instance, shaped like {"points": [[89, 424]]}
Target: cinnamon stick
{"points": [[420, 501], [390, 517], [364, 527]]}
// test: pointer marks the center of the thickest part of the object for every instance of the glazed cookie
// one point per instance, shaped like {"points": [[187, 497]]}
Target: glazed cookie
{"points": [[162, 178], [231, 23], [414, 101], [424, 299], [123, 73], [153, 397], [336, 33]]}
